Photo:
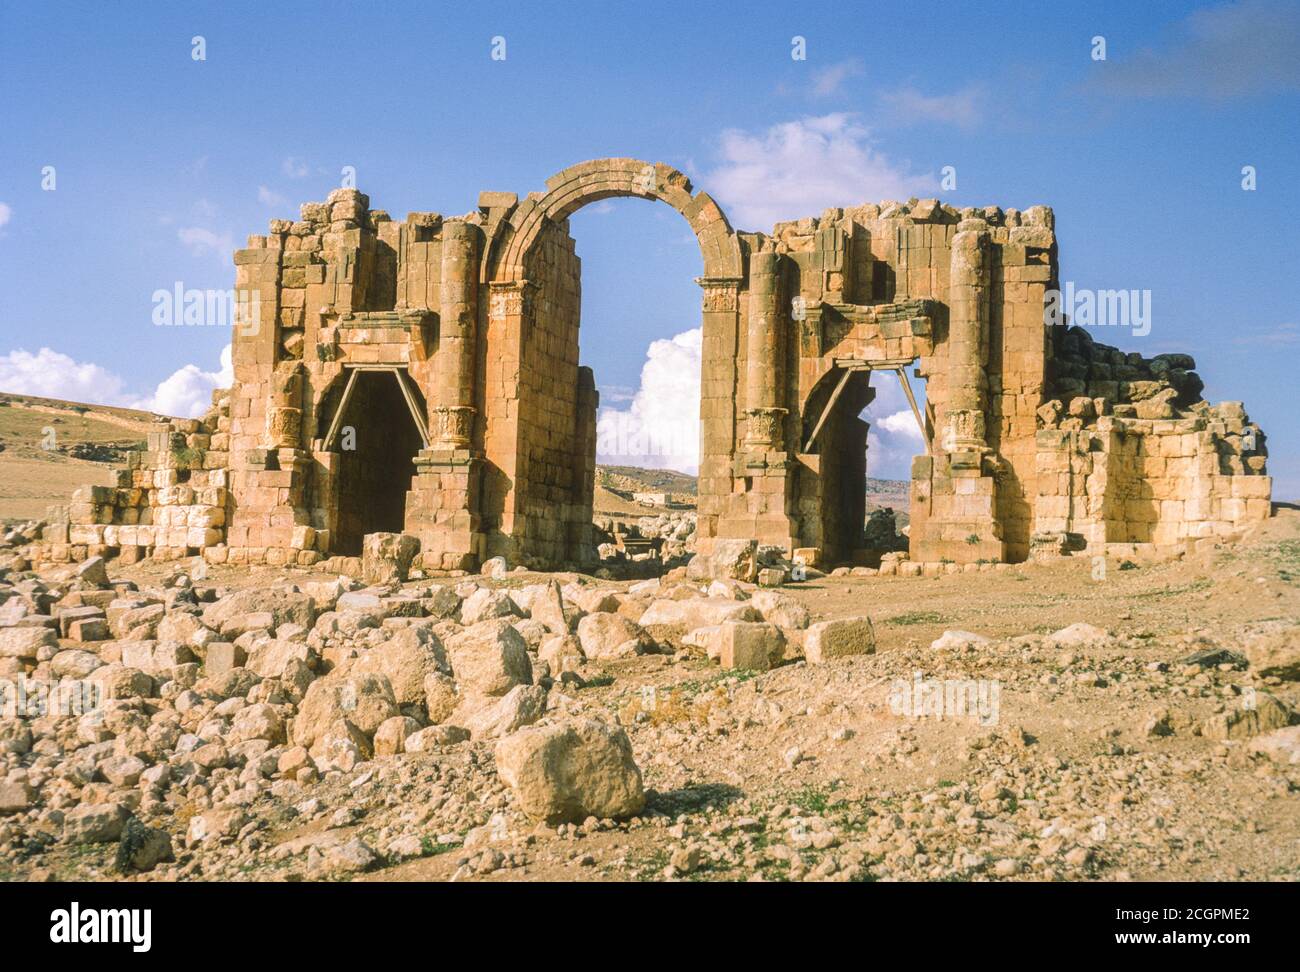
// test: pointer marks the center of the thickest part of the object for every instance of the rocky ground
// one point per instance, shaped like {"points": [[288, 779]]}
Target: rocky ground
{"points": [[277, 725]]}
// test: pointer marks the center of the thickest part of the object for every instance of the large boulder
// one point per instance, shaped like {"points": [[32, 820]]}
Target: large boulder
{"points": [[363, 700], [729, 559], [547, 607], [1276, 653], [697, 612], [26, 643], [489, 659], [839, 639], [781, 609], [752, 645], [521, 706], [284, 607], [408, 658], [386, 557], [485, 604], [568, 772], [607, 636], [1259, 714]]}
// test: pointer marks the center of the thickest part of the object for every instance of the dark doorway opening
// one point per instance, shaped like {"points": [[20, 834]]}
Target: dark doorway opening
{"points": [[377, 441]]}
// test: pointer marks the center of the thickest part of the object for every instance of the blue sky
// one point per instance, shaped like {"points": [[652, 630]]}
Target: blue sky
{"points": [[164, 164]]}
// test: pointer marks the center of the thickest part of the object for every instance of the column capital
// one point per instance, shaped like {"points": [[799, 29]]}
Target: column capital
{"points": [[510, 298], [720, 293]]}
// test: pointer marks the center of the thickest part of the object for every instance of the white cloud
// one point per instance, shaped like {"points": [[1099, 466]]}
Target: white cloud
{"points": [[295, 168], [186, 393], [964, 108], [660, 429], [902, 424], [894, 438], [270, 198], [1229, 51], [801, 167], [829, 80], [202, 240], [49, 374], [5, 214]]}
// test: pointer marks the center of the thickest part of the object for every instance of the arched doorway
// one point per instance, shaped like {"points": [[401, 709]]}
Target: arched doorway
{"points": [[538, 404]]}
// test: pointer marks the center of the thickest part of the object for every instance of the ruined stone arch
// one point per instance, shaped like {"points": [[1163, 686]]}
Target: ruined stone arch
{"points": [[570, 189], [536, 497]]}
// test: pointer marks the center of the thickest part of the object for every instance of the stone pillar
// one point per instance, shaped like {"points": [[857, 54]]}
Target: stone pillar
{"points": [[762, 359], [451, 409], [968, 282], [718, 397], [954, 493]]}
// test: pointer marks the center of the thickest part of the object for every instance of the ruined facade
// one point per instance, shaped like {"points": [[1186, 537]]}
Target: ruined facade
{"points": [[423, 376]]}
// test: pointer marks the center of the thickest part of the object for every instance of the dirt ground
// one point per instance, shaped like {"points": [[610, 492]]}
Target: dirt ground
{"points": [[1096, 762]]}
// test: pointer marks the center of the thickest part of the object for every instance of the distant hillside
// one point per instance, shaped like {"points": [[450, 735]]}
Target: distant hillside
{"points": [[636, 479], [894, 493], [49, 447]]}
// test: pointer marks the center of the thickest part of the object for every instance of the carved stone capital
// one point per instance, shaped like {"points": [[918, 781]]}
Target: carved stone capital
{"points": [[764, 429], [720, 293], [452, 426], [511, 298]]}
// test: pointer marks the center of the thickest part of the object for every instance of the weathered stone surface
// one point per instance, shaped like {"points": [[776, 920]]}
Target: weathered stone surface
{"points": [[1276, 653], [25, 643], [386, 557], [490, 659], [485, 604], [521, 706], [753, 645], [1265, 714], [408, 658], [840, 638], [697, 612], [606, 636], [284, 607], [99, 823], [363, 700], [571, 771]]}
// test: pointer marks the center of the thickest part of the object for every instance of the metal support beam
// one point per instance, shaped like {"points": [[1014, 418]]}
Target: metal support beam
{"points": [[337, 421], [401, 376], [916, 412], [830, 403]]}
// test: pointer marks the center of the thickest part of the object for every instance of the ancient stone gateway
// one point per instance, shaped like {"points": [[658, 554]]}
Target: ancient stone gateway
{"points": [[423, 376]]}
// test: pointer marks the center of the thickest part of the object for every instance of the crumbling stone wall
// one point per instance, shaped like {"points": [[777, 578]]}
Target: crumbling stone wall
{"points": [[170, 501], [1038, 440]]}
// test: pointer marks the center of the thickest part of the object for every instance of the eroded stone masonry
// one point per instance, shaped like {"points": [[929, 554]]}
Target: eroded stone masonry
{"points": [[423, 377]]}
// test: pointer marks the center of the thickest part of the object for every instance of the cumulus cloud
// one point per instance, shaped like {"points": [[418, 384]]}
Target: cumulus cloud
{"points": [[295, 168], [202, 240], [894, 438], [49, 374], [801, 167], [963, 109], [6, 214], [1229, 51], [902, 424], [186, 393], [660, 429]]}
